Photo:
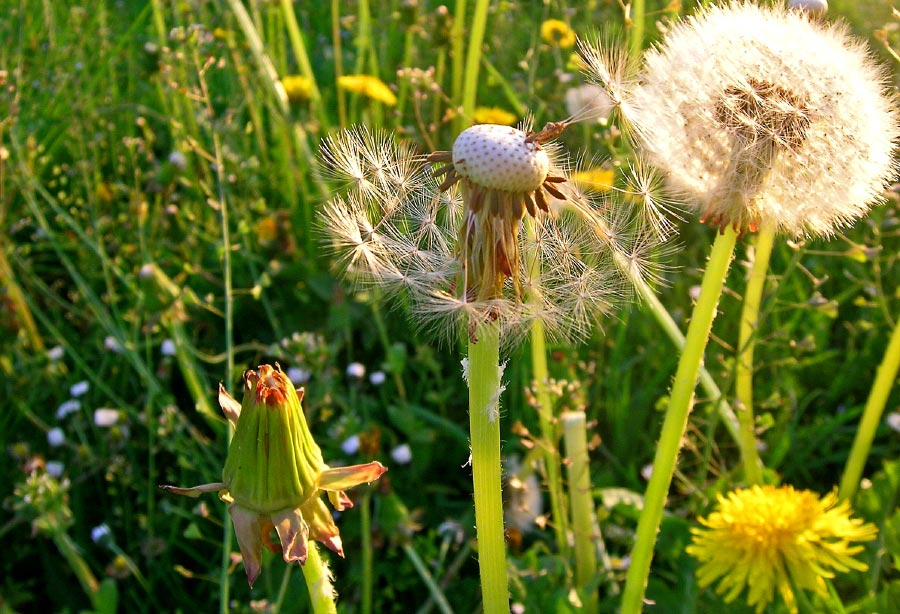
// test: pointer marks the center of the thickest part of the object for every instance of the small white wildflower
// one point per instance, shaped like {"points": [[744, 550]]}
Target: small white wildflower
{"points": [[350, 446], [647, 471], [105, 417], [55, 469], [55, 353], [100, 532], [56, 437], [402, 454], [112, 344], [67, 407], [79, 389], [377, 378], [178, 160], [298, 376], [167, 348], [762, 116], [356, 370], [893, 420], [147, 271]]}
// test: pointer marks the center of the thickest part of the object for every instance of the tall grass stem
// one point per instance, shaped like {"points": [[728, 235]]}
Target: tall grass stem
{"points": [[675, 422], [747, 336], [473, 62], [871, 417], [584, 521]]}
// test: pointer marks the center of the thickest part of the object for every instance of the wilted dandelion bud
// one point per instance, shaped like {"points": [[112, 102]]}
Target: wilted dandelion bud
{"points": [[762, 116], [274, 474]]}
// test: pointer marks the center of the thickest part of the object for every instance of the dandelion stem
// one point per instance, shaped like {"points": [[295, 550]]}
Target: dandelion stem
{"points": [[473, 60], [318, 581], [747, 335], [549, 432], [484, 426], [676, 420], [584, 522], [549, 435], [865, 433]]}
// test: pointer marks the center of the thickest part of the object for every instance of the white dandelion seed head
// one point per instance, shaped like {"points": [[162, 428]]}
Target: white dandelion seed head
{"points": [[500, 158], [764, 116]]}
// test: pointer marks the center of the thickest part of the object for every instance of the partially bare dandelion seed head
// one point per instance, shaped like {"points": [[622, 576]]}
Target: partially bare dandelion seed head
{"points": [[452, 237], [761, 115]]}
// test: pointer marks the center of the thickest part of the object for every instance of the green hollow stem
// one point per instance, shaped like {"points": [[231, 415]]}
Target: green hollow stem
{"points": [[675, 422], [473, 61], [484, 430], [318, 581], [871, 417], [584, 522], [747, 335], [636, 35]]}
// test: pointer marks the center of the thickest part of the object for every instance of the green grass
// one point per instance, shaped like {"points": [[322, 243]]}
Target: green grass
{"points": [[138, 133]]}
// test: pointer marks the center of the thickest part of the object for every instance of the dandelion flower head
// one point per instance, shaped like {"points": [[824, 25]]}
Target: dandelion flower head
{"points": [[761, 115], [764, 537], [557, 33], [448, 231]]}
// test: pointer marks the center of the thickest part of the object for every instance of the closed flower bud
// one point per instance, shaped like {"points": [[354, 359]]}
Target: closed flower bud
{"points": [[274, 473]]}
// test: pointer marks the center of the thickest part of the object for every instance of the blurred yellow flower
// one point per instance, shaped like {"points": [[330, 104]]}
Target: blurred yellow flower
{"points": [[493, 115], [297, 87], [266, 229], [557, 33], [595, 179], [768, 537], [370, 86]]}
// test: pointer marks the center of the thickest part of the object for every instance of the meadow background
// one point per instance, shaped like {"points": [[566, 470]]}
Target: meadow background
{"points": [[158, 196]]}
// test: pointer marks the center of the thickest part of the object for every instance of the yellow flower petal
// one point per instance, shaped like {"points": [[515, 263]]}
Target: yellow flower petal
{"points": [[370, 86], [493, 115], [557, 33], [596, 179]]}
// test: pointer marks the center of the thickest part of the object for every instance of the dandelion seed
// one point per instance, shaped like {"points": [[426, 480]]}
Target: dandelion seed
{"points": [[761, 116], [765, 538]]}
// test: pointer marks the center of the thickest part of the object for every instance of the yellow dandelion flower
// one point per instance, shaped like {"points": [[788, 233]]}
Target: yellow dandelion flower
{"points": [[595, 179], [297, 87], [766, 537], [370, 86], [557, 33], [493, 115]]}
